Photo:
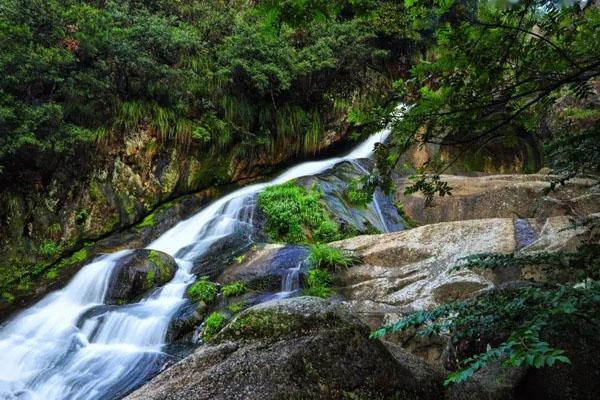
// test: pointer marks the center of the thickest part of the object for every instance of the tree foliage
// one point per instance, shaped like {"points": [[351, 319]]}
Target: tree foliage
{"points": [[493, 74], [76, 73]]}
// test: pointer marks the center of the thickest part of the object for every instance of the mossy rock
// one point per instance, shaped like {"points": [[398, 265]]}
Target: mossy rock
{"points": [[326, 354], [279, 319], [137, 273]]}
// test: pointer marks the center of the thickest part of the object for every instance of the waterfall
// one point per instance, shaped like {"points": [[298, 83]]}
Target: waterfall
{"points": [[71, 346], [290, 281]]}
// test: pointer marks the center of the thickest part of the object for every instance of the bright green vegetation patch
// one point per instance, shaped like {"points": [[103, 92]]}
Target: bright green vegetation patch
{"points": [[203, 290], [318, 283], [237, 306], [233, 289], [212, 325], [150, 220], [147, 222], [296, 215], [324, 256], [49, 249], [8, 297], [157, 259]]}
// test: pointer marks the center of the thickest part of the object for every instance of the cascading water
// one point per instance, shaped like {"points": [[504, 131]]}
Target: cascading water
{"points": [[71, 346]]}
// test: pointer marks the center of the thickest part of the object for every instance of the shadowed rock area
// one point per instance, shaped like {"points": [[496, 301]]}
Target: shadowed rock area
{"points": [[302, 348]]}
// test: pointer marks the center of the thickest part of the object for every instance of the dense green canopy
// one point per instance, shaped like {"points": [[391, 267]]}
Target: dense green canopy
{"points": [[193, 72]]}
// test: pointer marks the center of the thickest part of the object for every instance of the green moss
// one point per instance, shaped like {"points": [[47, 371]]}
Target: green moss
{"points": [[233, 289], [237, 306], [129, 206], [9, 297], [147, 222], [266, 323], [150, 278], [203, 290], [52, 274], [95, 192], [162, 267], [213, 324]]}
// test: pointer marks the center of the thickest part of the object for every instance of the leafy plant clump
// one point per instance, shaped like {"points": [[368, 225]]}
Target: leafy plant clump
{"points": [[203, 290], [49, 249], [295, 215], [318, 283], [212, 325], [233, 289], [324, 256]]}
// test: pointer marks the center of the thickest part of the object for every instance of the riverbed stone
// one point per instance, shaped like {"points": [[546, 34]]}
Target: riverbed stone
{"points": [[137, 273], [262, 267], [502, 196]]}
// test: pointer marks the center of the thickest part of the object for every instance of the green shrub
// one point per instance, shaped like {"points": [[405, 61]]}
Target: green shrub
{"points": [[233, 289], [49, 249], [8, 297], [203, 290], [212, 325], [318, 282], [324, 256], [295, 215]]}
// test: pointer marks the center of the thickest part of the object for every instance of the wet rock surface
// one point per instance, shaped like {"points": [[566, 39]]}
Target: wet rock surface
{"points": [[326, 354], [137, 273], [261, 269], [380, 215]]}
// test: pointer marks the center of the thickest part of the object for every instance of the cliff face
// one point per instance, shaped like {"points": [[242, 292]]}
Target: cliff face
{"points": [[48, 222]]}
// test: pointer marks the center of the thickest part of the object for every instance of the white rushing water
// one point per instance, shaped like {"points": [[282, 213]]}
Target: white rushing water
{"points": [[71, 346]]}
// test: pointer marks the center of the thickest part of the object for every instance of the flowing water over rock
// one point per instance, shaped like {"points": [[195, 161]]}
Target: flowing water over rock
{"points": [[524, 233], [72, 346]]}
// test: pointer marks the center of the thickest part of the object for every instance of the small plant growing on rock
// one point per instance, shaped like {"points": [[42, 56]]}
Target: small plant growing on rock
{"points": [[318, 282], [203, 290], [213, 324], [233, 289], [49, 249], [324, 256], [81, 216], [237, 306]]}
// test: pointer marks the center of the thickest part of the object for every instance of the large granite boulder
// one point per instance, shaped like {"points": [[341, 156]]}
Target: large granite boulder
{"points": [[502, 196], [137, 273], [412, 269], [301, 348]]}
